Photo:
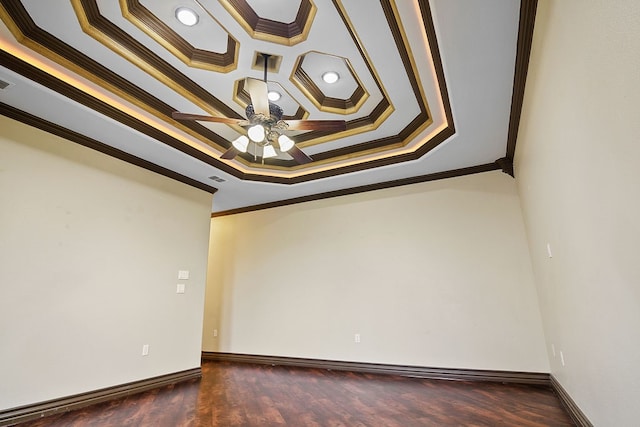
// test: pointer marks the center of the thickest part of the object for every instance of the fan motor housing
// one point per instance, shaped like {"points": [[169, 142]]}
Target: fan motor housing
{"points": [[274, 111]]}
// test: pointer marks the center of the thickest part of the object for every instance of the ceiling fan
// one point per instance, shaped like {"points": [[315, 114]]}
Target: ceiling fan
{"points": [[266, 129]]}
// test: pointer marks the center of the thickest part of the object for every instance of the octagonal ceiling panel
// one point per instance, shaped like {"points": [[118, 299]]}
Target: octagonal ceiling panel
{"points": [[279, 21], [156, 20], [308, 74]]}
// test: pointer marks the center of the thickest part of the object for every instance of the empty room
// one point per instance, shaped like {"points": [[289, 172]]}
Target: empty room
{"points": [[319, 213]]}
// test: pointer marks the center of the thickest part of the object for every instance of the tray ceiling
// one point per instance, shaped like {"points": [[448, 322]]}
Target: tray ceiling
{"points": [[426, 88]]}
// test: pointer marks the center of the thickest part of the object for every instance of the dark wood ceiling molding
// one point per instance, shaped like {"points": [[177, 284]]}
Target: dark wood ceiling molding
{"points": [[430, 31], [147, 22], [526, 26], [362, 189], [288, 34], [363, 54], [77, 95], [422, 120], [354, 126], [29, 34], [439, 138], [305, 83], [392, 18], [97, 26], [382, 109], [396, 140], [332, 155], [121, 43], [358, 94], [506, 164], [34, 37], [37, 75], [300, 114], [393, 140], [52, 128]]}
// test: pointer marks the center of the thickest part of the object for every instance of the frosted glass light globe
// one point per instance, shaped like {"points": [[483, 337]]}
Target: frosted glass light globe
{"points": [[241, 143], [256, 133], [285, 143], [268, 151]]}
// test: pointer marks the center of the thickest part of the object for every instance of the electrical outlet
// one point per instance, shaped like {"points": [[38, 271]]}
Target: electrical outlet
{"points": [[180, 288], [145, 350], [215, 333], [356, 338], [183, 274]]}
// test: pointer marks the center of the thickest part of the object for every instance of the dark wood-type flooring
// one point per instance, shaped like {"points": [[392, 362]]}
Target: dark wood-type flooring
{"points": [[232, 394]]}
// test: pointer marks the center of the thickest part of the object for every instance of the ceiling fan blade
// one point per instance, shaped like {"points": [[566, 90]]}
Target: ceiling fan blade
{"points": [[329, 125], [186, 116], [230, 153], [258, 91], [299, 155]]}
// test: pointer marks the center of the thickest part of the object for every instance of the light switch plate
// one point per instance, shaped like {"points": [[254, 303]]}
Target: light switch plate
{"points": [[183, 274], [180, 288]]}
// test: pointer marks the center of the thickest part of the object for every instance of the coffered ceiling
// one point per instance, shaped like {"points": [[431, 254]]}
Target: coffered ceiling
{"points": [[428, 89]]}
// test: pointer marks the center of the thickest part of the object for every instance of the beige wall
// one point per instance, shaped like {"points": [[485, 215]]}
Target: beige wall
{"points": [[578, 174], [434, 274], [90, 248]]}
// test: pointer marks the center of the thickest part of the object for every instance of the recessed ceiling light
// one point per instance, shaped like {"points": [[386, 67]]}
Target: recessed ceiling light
{"points": [[330, 77], [274, 96], [187, 16]]}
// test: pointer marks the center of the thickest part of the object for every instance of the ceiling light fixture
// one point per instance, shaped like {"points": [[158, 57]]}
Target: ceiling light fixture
{"points": [[256, 133], [274, 96], [266, 129], [187, 16], [268, 151], [330, 77], [241, 143], [285, 142]]}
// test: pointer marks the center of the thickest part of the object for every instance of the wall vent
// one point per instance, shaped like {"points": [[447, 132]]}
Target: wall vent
{"points": [[217, 178]]}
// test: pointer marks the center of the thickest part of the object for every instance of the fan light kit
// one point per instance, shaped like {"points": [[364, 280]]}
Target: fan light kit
{"points": [[265, 127], [241, 143], [285, 142], [256, 133], [187, 16], [330, 77]]}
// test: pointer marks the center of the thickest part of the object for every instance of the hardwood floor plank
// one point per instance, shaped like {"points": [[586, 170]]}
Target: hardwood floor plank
{"points": [[236, 394]]}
